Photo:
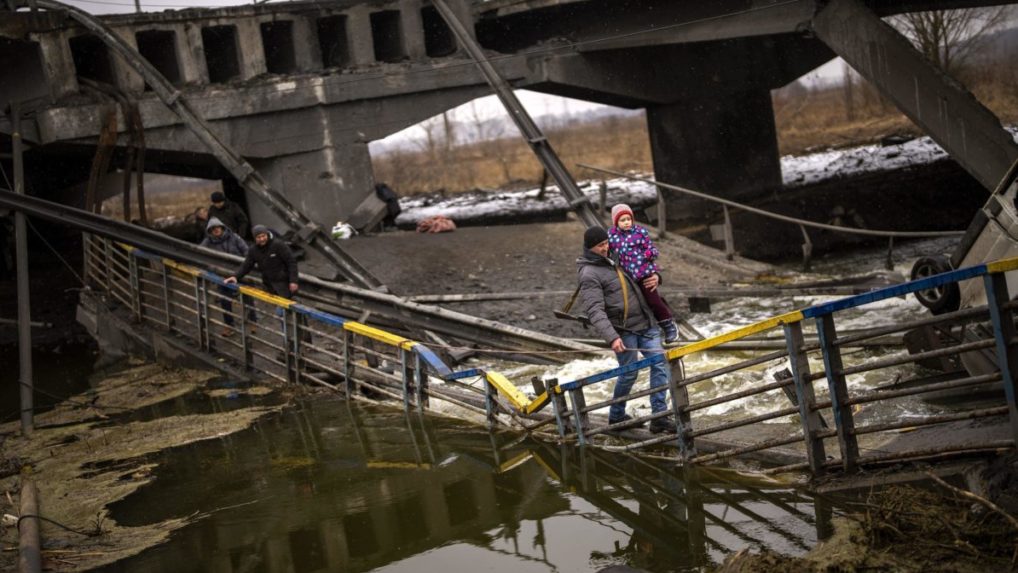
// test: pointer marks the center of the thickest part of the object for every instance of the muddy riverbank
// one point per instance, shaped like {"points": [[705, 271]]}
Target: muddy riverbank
{"points": [[99, 447]]}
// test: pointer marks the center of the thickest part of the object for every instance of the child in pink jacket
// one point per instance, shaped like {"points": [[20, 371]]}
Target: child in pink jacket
{"points": [[637, 253]]}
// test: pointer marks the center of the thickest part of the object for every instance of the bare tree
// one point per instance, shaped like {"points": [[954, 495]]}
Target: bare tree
{"points": [[948, 37]]}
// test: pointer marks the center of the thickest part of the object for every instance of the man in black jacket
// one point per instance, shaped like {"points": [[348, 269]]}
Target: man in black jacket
{"points": [[274, 260], [278, 267], [229, 213]]}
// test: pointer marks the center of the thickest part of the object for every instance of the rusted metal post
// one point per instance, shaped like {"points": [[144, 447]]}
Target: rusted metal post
{"points": [[490, 403], [680, 401], [198, 312], [404, 369], [729, 235], [107, 253], [838, 387], [245, 344], [421, 382], [558, 404], [26, 382], [1004, 333], [29, 546], [166, 297], [347, 367], [806, 398], [296, 362], [582, 420], [132, 267]]}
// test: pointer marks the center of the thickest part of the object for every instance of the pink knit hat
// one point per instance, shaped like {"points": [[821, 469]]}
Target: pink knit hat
{"points": [[620, 210]]}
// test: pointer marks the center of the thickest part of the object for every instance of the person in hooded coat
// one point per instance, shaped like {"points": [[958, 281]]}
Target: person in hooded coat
{"points": [[229, 213], [218, 237]]}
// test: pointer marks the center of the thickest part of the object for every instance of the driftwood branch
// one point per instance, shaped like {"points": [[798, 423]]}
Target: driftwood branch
{"points": [[978, 499]]}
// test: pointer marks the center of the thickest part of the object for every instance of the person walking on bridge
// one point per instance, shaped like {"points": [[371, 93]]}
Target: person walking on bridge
{"points": [[219, 238], [617, 310], [229, 213], [275, 261]]}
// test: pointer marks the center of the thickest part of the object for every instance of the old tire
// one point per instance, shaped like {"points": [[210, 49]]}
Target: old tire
{"points": [[941, 299]]}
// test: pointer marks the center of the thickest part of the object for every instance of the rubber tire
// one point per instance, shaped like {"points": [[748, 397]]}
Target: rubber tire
{"points": [[942, 299]]}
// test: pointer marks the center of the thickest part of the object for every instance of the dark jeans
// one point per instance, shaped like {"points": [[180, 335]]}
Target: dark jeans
{"points": [[657, 304], [226, 304]]}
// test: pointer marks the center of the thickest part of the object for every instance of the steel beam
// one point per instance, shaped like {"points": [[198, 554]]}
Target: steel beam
{"points": [[969, 132]]}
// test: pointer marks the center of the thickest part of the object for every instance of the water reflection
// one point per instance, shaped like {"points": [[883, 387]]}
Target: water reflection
{"points": [[336, 487]]}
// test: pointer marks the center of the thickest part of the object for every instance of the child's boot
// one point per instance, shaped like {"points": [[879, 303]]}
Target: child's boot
{"points": [[669, 330]]}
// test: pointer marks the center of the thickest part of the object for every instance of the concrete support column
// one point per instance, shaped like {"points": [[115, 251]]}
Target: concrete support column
{"points": [[57, 64], [326, 184], [948, 112], [128, 80], [251, 52], [358, 29], [413, 28], [305, 45], [724, 145], [191, 54], [465, 14]]}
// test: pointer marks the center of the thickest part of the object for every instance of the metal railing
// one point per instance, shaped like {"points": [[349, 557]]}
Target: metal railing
{"points": [[816, 430], [806, 432]]}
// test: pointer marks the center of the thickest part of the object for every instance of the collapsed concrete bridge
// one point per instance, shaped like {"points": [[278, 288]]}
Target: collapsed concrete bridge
{"points": [[300, 89]]}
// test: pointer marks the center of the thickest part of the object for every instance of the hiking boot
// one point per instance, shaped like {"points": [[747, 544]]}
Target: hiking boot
{"points": [[665, 425], [226, 332], [625, 418], [669, 331]]}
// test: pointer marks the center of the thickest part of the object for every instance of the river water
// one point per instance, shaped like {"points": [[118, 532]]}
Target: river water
{"points": [[331, 486], [334, 486]]}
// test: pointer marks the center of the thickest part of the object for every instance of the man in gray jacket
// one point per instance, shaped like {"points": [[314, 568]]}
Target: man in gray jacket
{"points": [[620, 315]]}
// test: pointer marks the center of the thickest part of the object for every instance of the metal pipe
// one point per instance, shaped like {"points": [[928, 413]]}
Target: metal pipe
{"points": [[785, 218], [925, 389], [956, 317], [943, 419], [25, 377], [909, 358], [790, 411], [29, 547], [741, 394]]}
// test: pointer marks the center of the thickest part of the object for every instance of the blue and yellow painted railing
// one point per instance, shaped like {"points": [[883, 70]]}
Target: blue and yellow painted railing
{"points": [[433, 361], [526, 406], [815, 311]]}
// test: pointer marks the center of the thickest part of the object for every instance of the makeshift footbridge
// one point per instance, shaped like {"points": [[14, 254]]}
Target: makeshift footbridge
{"points": [[818, 429]]}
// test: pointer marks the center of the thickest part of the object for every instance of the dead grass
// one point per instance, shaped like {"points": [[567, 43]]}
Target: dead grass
{"points": [[806, 120], [180, 203]]}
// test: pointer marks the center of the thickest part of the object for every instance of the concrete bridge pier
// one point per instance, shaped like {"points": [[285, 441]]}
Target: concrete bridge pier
{"points": [[325, 184], [724, 144]]}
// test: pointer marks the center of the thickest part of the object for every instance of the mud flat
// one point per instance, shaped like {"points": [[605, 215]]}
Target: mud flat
{"points": [[97, 448]]}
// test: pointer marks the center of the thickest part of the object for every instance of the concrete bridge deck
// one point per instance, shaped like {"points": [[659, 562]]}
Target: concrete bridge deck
{"points": [[301, 88]]}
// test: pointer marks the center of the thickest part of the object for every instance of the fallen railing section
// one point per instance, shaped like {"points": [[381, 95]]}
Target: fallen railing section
{"points": [[817, 429]]}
